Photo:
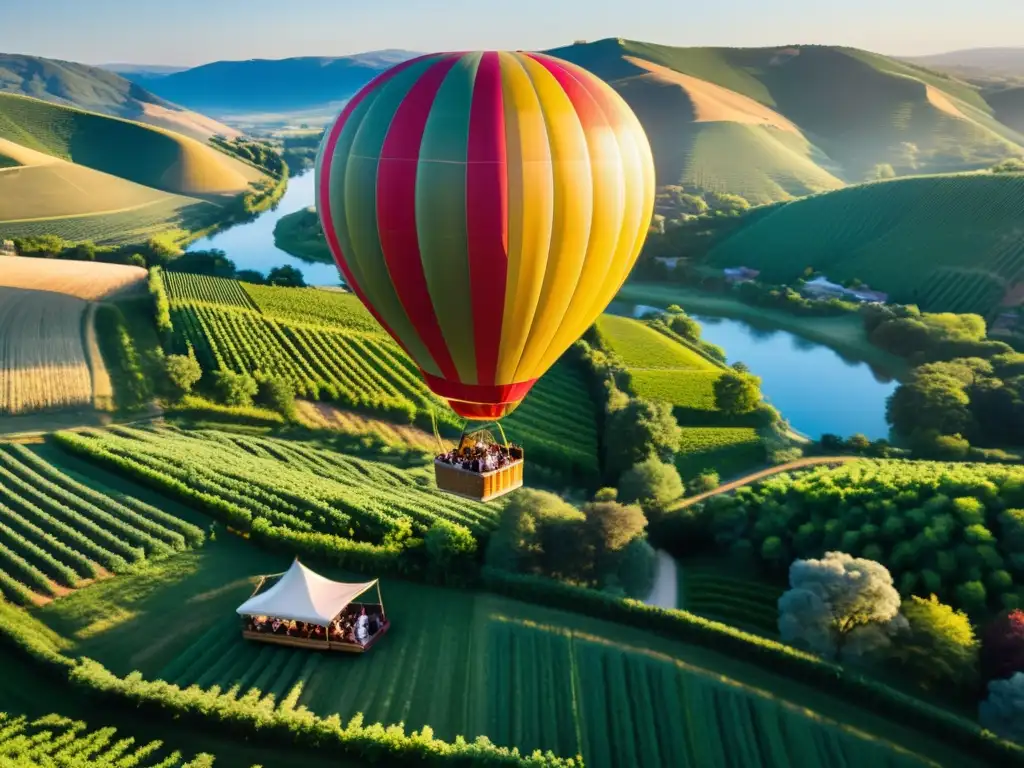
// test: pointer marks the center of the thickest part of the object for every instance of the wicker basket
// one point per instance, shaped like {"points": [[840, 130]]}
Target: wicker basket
{"points": [[479, 486]]}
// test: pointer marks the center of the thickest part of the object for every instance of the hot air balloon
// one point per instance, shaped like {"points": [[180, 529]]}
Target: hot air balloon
{"points": [[485, 207]]}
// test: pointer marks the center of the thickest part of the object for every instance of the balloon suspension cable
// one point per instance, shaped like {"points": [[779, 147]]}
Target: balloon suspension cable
{"points": [[437, 434]]}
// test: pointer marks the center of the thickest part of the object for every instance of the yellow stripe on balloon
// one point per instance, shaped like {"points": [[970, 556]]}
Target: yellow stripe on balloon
{"points": [[573, 210], [608, 205], [530, 211], [638, 174]]}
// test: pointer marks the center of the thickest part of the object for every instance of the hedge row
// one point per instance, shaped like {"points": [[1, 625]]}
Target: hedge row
{"points": [[196, 408], [776, 656], [386, 745]]}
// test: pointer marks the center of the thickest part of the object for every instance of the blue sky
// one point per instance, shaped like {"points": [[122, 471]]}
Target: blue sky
{"points": [[189, 32]]}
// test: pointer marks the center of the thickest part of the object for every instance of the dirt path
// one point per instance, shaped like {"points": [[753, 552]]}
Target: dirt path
{"points": [[666, 587], [811, 461]]}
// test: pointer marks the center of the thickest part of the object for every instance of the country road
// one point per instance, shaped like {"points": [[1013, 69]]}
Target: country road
{"points": [[732, 485]]}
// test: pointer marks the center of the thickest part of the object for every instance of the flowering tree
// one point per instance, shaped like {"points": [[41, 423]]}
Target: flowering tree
{"points": [[839, 606]]}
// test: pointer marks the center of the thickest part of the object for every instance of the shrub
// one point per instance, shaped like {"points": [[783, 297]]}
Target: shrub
{"points": [[637, 431], [606, 494], [278, 394], [183, 373], [637, 568], [1003, 711], [652, 483], [450, 551], [1002, 647], [938, 649], [234, 388], [737, 393], [706, 481]]}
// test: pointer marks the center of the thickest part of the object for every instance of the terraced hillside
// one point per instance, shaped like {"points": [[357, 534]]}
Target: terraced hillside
{"points": [[946, 243], [665, 369], [739, 120], [99, 90], [332, 349], [57, 534]]}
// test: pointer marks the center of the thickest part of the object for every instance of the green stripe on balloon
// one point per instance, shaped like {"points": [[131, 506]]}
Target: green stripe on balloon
{"points": [[360, 209], [441, 212]]}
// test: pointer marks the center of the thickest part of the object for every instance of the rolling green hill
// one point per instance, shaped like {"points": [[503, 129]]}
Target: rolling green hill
{"points": [[85, 176], [99, 90], [1009, 106], [775, 123], [145, 155], [947, 243]]}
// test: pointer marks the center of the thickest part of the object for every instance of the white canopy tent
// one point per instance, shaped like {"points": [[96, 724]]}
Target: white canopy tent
{"points": [[302, 595]]}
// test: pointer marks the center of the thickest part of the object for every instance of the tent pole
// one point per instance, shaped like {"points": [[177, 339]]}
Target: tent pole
{"points": [[380, 600]]}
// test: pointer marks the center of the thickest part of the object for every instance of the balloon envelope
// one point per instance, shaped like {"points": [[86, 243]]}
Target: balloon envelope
{"points": [[486, 207]]}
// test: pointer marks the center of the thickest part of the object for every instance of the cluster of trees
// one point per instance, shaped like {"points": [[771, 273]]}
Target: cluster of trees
{"points": [[56, 247], [943, 408], [1011, 165], [237, 390], [599, 545], [631, 429], [300, 151], [957, 533], [257, 152], [847, 609], [860, 445], [676, 207], [214, 262], [685, 327], [964, 389]]}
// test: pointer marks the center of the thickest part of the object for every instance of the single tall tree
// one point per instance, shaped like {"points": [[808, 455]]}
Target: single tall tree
{"points": [[839, 606]]}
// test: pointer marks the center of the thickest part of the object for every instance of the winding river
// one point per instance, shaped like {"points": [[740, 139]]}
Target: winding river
{"points": [[251, 245], [815, 388]]}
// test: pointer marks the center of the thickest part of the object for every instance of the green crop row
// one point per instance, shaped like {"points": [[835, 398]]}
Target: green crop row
{"points": [[640, 346], [313, 306], [297, 487], [56, 531], [55, 740], [692, 390], [184, 287], [780, 658]]}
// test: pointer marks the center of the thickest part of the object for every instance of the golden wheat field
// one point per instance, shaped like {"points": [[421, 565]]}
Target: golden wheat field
{"points": [[49, 356], [81, 279], [42, 353]]}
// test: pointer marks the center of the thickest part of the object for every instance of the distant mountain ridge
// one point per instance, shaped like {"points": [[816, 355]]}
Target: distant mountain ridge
{"points": [[270, 85], [99, 90], [1000, 61], [765, 123]]}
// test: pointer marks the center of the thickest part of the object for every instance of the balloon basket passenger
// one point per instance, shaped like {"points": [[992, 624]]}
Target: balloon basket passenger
{"points": [[480, 468]]}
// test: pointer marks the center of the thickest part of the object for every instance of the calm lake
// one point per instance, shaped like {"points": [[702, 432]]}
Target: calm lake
{"points": [[814, 388], [251, 245]]}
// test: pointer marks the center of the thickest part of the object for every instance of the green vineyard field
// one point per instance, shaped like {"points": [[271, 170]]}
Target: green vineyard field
{"points": [[331, 349], [55, 532], [945, 243], [534, 685], [333, 308], [288, 483], [640, 346]]}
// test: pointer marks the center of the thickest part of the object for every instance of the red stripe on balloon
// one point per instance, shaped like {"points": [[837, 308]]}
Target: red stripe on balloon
{"points": [[487, 214], [396, 211], [324, 197], [478, 393]]}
